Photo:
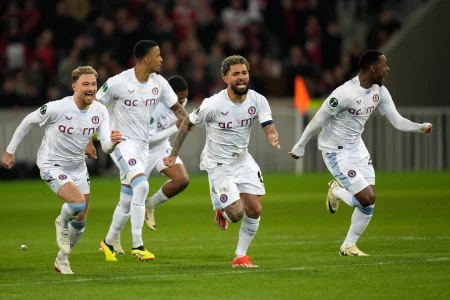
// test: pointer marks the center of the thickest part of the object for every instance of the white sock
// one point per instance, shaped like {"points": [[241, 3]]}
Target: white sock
{"points": [[360, 221], [344, 195], [120, 216], [74, 237], [137, 211], [156, 199], [69, 211], [249, 227]]}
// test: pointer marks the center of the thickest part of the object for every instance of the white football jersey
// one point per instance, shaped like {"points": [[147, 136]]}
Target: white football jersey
{"points": [[131, 103], [351, 106], [228, 126], [162, 119], [68, 131]]}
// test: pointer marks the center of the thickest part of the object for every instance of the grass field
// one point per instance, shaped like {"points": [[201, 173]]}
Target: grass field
{"points": [[296, 246]]}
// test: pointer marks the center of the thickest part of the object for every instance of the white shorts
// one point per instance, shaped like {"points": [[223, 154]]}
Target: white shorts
{"points": [[352, 168], [56, 176], [131, 159], [155, 160], [228, 181]]}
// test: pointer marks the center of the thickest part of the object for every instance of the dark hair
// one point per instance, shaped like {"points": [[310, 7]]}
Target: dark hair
{"points": [[178, 83], [142, 47], [233, 60], [369, 58]]}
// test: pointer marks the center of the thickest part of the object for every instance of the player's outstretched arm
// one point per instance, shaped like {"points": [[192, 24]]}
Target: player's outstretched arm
{"points": [[321, 118], [8, 158], [404, 124], [183, 131], [272, 135]]}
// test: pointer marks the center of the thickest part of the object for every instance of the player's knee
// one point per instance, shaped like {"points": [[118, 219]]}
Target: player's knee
{"points": [[182, 183], [369, 200], [234, 212], [77, 207], [254, 212], [140, 185]]}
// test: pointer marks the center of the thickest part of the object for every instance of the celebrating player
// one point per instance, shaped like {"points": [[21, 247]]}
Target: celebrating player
{"points": [[70, 124], [342, 118], [235, 178], [132, 97], [163, 125]]}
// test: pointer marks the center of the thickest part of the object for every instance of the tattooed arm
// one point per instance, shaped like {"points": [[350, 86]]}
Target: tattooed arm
{"points": [[272, 135], [179, 111], [183, 131]]}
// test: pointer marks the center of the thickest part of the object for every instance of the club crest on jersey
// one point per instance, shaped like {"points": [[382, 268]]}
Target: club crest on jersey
{"points": [[375, 98], [223, 198], [155, 91], [95, 119], [251, 110], [131, 161], [151, 121], [43, 109], [334, 102], [62, 177], [351, 173], [105, 87]]}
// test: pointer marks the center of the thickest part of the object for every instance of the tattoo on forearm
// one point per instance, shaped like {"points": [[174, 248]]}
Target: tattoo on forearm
{"points": [[179, 111], [270, 129], [181, 135]]}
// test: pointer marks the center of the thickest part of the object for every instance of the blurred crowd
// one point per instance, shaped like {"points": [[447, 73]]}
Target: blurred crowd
{"points": [[41, 42]]}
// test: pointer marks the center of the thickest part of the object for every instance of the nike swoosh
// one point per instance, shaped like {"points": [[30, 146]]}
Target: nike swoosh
{"points": [[354, 254], [329, 206]]}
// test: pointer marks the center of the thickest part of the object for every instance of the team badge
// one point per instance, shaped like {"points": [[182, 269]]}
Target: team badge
{"points": [[62, 177], [132, 162], [151, 121], [155, 91], [43, 109], [351, 173], [251, 110], [105, 87], [95, 119], [334, 102], [376, 98], [223, 198], [197, 110]]}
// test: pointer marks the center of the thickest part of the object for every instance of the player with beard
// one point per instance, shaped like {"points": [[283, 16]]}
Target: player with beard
{"points": [[342, 118], [70, 124], [236, 182]]}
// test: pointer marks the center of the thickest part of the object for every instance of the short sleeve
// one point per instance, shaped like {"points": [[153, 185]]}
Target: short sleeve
{"points": [[202, 114], [386, 104], [168, 96], [335, 103], [264, 114], [47, 113], [106, 91]]}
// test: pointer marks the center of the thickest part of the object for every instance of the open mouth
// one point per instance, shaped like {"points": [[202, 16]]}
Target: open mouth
{"points": [[241, 84], [89, 95]]}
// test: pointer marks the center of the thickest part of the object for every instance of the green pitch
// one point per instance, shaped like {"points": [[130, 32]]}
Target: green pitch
{"points": [[296, 246]]}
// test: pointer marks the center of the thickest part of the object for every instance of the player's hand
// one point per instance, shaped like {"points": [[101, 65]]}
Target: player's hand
{"points": [[116, 137], [169, 161], [8, 160], [90, 151], [294, 156], [273, 139], [428, 129]]}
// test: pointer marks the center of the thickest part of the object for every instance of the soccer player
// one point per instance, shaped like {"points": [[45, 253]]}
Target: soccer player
{"points": [[132, 97], [235, 178], [163, 125], [70, 123], [342, 118]]}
